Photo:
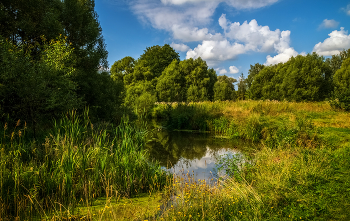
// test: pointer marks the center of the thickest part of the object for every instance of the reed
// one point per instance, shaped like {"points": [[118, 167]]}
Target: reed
{"points": [[76, 163]]}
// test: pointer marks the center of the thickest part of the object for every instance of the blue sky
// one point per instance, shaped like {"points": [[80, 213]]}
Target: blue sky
{"points": [[228, 34]]}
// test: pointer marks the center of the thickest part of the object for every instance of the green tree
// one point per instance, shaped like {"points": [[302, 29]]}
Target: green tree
{"points": [[171, 84], [224, 88], [306, 78], [342, 86], [242, 87], [140, 97], [253, 71], [157, 58], [122, 67], [36, 90], [24, 22], [199, 79]]}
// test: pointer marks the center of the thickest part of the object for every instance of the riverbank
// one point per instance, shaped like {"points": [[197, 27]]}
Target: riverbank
{"points": [[72, 164], [300, 172], [300, 169]]}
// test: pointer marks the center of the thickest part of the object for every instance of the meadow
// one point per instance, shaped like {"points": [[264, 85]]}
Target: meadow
{"points": [[78, 170], [299, 172]]}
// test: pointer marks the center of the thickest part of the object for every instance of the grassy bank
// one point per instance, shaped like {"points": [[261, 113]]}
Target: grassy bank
{"points": [[300, 171], [75, 163]]}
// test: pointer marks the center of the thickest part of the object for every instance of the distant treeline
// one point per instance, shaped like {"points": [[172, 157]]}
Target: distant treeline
{"points": [[159, 75], [53, 59]]}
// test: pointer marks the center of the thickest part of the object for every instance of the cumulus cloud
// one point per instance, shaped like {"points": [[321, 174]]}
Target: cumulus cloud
{"points": [[337, 41], [347, 9], [233, 70], [329, 24], [239, 4], [183, 22], [180, 47], [221, 71], [188, 34], [254, 36], [216, 50], [187, 21], [242, 38], [285, 52]]}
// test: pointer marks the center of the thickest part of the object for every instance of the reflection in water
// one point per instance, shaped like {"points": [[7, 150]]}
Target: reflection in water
{"points": [[183, 152]]}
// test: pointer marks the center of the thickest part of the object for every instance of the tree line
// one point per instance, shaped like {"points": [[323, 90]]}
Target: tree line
{"points": [[53, 59], [160, 76], [303, 78]]}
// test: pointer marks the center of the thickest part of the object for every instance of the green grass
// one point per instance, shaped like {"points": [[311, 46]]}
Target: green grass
{"points": [[76, 163], [301, 170]]}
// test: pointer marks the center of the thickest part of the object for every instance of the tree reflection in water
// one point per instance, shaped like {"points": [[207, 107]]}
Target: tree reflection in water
{"points": [[187, 151]]}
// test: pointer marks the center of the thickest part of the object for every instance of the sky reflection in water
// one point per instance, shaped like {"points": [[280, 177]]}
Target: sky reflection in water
{"points": [[183, 152]]}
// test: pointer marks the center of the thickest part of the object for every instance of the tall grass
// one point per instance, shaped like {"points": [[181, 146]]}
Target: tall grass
{"points": [[300, 171], [76, 163]]}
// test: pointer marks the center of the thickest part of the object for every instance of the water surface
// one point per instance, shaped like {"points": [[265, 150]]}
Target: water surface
{"points": [[196, 153]]}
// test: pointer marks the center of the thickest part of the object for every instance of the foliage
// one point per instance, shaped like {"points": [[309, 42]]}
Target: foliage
{"points": [[342, 86], [303, 78], [76, 163], [37, 89], [253, 71], [224, 88], [122, 67], [157, 58], [141, 97], [199, 79], [26, 23], [171, 84], [242, 88]]}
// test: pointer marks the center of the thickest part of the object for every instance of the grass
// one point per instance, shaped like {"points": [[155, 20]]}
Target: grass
{"points": [[76, 163], [301, 170]]}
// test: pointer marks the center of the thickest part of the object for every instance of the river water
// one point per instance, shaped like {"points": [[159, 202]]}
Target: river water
{"points": [[190, 152]]}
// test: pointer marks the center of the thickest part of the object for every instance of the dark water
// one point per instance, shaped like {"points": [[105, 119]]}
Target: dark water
{"points": [[196, 153]]}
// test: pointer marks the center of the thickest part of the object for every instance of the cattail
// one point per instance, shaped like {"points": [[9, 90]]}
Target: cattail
{"points": [[18, 122]]}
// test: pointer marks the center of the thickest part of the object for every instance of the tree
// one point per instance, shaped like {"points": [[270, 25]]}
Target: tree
{"points": [[199, 79], [24, 22], [157, 58], [122, 67], [35, 90], [342, 86], [171, 84], [306, 78], [140, 97], [253, 71], [242, 87], [224, 88]]}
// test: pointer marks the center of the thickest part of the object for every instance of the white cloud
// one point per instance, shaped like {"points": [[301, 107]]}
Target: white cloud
{"points": [[239, 4], [179, 47], [221, 71], [185, 18], [188, 34], [337, 41], [187, 21], [329, 24], [241, 38], [214, 51], [347, 9], [233, 70], [285, 52], [256, 38]]}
